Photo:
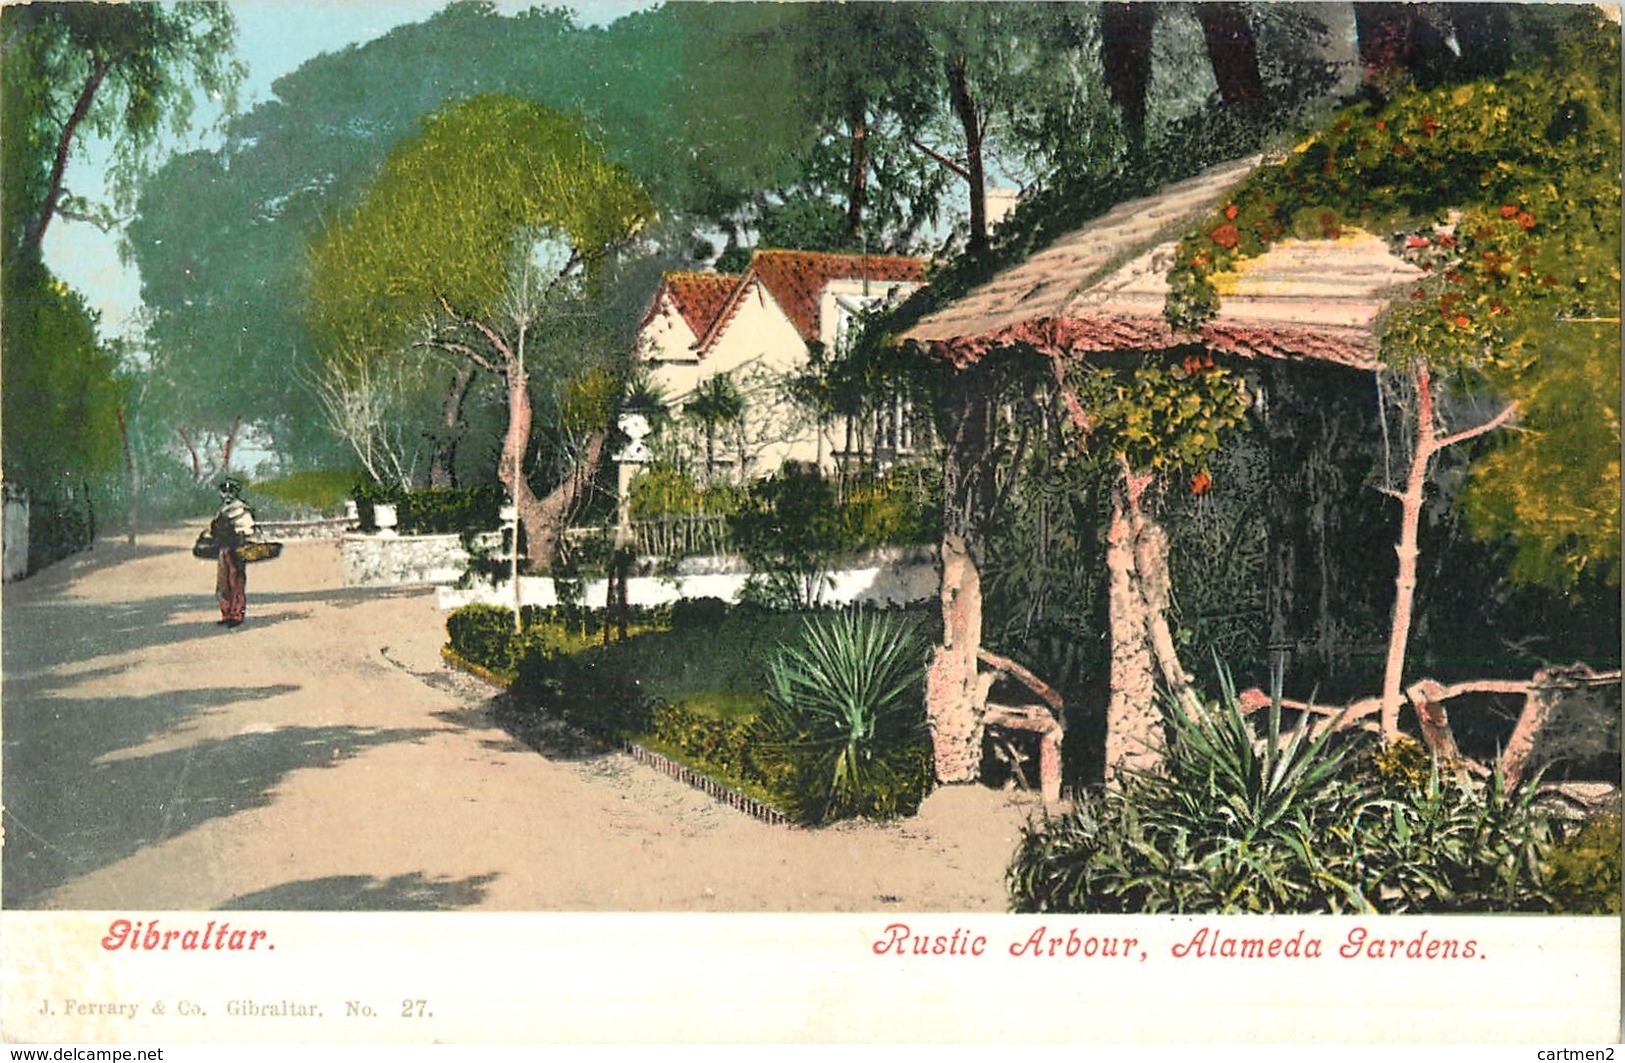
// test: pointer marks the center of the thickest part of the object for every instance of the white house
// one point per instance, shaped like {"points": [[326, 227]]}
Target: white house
{"points": [[758, 329]]}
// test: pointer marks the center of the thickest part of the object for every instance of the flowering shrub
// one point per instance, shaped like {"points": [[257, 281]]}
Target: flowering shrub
{"points": [[1506, 193]]}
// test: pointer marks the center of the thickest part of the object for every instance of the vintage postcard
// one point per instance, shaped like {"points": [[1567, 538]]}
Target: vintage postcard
{"points": [[726, 522]]}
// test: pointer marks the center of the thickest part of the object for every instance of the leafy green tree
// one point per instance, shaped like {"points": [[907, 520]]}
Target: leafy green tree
{"points": [[61, 401], [121, 71], [444, 254], [716, 402], [221, 236], [124, 73]]}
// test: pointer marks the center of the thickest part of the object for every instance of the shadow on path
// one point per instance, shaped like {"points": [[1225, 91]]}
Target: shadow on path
{"points": [[547, 735], [364, 893], [57, 632], [71, 809]]}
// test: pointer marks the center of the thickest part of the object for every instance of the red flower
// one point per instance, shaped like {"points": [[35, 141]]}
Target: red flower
{"points": [[1429, 124], [1445, 240], [1416, 241], [1462, 321], [1381, 125], [1201, 483], [1230, 212], [1226, 236], [1509, 211], [1526, 220]]}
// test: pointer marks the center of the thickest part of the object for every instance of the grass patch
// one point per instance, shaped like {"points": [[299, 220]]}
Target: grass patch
{"points": [[696, 692]]}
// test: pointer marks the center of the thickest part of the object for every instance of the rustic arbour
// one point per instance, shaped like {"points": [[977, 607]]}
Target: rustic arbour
{"points": [[1295, 337]]}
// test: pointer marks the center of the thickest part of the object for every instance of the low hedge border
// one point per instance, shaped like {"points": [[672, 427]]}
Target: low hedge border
{"points": [[463, 664], [725, 794], [675, 769]]}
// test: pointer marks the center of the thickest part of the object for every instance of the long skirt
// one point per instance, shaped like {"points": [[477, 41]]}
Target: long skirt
{"points": [[231, 587]]}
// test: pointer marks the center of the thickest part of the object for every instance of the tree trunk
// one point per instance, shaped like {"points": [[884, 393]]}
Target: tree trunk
{"points": [[975, 173], [545, 518], [443, 463], [229, 445], [1134, 738], [132, 479], [511, 464], [1232, 53], [191, 450], [956, 693], [1125, 53], [857, 177], [1410, 518], [1428, 443], [64, 150], [1155, 587]]}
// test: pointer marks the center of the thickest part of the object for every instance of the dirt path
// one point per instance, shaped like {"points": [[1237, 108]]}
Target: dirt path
{"points": [[322, 757]]}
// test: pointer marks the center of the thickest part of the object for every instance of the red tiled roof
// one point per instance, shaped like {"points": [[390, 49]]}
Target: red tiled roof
{"points": [[796, 280], [1103, 287], [699, 297], [1072, 337]]}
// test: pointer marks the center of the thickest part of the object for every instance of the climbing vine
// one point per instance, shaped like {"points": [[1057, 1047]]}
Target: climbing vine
{"points": [[1167, 415], [1506, 193]]}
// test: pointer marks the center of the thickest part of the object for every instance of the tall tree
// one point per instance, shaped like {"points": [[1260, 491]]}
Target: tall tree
{"points": [[121, 71], [441, 255]]}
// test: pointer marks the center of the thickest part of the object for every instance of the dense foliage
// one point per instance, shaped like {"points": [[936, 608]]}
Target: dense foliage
{"points": [[795, 526], [1243, 822], [1506, 192], [430, 510]]}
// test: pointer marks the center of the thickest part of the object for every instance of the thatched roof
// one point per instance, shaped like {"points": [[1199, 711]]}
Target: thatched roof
{"points": [[1102, 287]]}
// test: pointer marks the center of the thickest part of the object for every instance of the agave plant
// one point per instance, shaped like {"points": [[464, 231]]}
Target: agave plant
{"points": [[847, 709]]}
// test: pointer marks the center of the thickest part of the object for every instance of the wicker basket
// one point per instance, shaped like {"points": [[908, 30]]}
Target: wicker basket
{"points": [[248, 553], [205, 549]]}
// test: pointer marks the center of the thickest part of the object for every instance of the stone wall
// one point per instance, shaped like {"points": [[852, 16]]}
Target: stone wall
{"points": [[14, 523], [320, 528], [894, 577], [404, 560]]}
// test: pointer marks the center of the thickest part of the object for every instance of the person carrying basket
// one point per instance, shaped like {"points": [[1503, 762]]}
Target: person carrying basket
{"points": [[232, 528]]}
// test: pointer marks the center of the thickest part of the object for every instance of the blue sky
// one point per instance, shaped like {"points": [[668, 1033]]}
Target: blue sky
{"points": [[273, 38]]}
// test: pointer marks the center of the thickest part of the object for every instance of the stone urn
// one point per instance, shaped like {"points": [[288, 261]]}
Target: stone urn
{"points": [[384, 515]]}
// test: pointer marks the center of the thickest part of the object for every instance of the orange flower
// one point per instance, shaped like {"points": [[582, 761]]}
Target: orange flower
{"points": [[1226, 236], [1230, 212], [1429, 124], [1381, 125], [1526, 220], [1201, 483], [1462, 321], [1509, 211]]}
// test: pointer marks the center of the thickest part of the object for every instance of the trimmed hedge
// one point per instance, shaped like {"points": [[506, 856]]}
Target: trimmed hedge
{"points": [[432, 510]]}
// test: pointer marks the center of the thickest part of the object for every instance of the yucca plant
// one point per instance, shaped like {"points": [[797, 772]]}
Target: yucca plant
{"points": [[848, 713], [1296, 820], [1233, 822], [1250, 810]]}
